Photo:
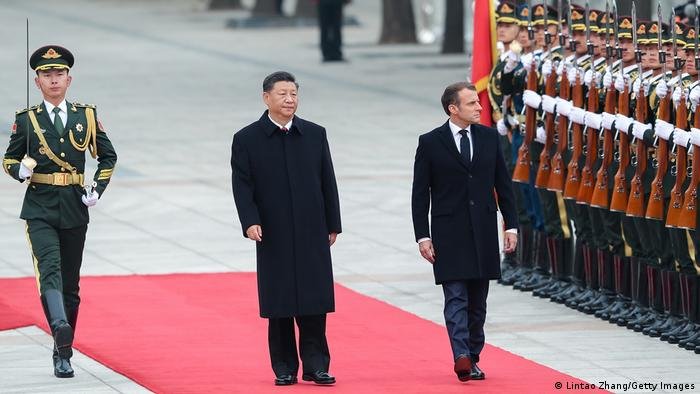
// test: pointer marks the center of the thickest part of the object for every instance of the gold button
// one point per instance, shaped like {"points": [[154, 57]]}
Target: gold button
{"points": [[63, 154], [62, 140], [62, 169]]}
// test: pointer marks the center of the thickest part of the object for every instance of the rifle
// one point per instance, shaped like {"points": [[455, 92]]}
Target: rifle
{"points": [[521, 173], [655, 206], [544, 169], [675, 206], [556, 176], [635, 204], [573, 172], [688, 216], [600, 196]]}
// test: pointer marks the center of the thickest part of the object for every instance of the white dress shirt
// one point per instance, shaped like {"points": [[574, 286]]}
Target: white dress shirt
{"points": [[288, 126], [63, 114]]}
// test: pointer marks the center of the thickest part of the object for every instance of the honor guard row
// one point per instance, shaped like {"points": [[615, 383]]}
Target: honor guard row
{"points": [[598, 115]]}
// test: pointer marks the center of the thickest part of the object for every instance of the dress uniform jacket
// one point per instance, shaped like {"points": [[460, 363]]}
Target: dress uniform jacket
{"points": [[59, 206], [286, 184]]}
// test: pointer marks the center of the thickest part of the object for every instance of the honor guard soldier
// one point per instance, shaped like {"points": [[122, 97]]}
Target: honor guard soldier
{"points": [[47, 152]]}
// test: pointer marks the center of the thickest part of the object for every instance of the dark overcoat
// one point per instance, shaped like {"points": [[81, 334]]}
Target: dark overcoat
{"points": [[285, 182], [463, 197]]}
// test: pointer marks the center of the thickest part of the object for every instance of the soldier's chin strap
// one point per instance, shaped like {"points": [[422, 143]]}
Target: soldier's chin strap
{"points": [[45, 146]]}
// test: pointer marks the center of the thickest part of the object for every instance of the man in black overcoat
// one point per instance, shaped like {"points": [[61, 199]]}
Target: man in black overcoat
{"points": [[460, 175], [287, 201]]}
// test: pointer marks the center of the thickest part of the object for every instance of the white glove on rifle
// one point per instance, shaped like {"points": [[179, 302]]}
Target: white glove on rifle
{"points": [[90, 199], [563, 106], [681, 138], [663, 129], [676, 97], [694, 97], [608, 120], [608, 80], [24, 172], [541, 135], [512, 60], [501, 127], [620, 82], [661, 89], [571, 74], [578, 115], [638, 129], [548, 103], [527, 60], [532, 99], [623, 123], [695, 136], [546, 68]]}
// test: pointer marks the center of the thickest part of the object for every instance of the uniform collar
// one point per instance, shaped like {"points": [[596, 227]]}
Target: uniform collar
{"points": [[62, 106]]}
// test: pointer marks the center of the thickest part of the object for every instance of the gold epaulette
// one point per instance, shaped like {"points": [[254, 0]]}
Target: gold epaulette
{"points": [[21, 111], [84, 105]]}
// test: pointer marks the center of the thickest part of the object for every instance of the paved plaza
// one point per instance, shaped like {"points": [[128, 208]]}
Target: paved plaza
{"points": [[172, 84]]}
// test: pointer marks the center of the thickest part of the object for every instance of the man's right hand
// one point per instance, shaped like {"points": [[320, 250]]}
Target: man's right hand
{"points": [[427, 251], [24, 172], [254, 232]]}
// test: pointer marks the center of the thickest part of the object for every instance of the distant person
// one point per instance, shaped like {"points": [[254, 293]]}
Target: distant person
{"points": [[287, 200], [460, 176], [330, 20], [47, 152]]}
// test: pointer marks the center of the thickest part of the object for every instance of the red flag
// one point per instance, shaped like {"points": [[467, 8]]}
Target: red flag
{"points": [[484, 44]]}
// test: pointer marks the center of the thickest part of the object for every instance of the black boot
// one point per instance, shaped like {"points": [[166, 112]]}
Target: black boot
{"points": [[525, 261], [573, 272], [641, 300], [655, 314], [588, 293], [621, 285], [52, 302], [605, 284], [671, 320]]}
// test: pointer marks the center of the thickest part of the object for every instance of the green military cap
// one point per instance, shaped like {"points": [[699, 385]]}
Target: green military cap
{"points": [[665, 35], [624, 27], [51, 57], [578, 22], [689, 35], [505, 13], [593, 17], [680, 30], [652, 33], [605, 20], [523, 13], [538, 12]]}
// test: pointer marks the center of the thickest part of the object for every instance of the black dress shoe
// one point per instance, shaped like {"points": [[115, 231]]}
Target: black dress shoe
{"points": [[477, 373], [62, 368], [285, 380], [463, 368], [319, 377]]}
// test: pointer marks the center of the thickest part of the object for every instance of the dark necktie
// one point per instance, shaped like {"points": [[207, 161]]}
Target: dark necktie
{"points": [[57, 122], [464, 146], [284, 130]]}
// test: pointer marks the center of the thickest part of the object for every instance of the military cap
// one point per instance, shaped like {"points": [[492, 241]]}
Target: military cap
{"points": [[689, 35], [624, 27], [51, 57], [578, 22], [593, 18], [506, 13], [522, 13], [538, 12], [665, 35], [647, 32], [680, 30], [605, 20]]}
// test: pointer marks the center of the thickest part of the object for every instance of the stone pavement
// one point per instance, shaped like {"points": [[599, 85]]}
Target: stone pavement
{"points": [[172, 84]]}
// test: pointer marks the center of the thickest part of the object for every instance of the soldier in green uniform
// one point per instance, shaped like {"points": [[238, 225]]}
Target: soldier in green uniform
{"points": [[47, 152]]}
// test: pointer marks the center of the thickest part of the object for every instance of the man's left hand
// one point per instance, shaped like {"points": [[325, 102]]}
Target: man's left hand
{"points": [[331, 238], [510, 241], [90, 199]]}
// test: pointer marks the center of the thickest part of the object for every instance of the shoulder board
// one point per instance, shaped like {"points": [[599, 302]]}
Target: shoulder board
{"points": [[21, 111], [84, 105]]}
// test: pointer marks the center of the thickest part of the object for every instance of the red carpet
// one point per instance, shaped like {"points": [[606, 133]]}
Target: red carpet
{"points": [[201, 333]]}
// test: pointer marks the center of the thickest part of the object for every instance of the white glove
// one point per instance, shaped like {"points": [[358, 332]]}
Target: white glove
{"points": [[677, 93], [661, 89], [24, 172], [548, 103], [541, 135], [694, 97], [532, 99], [608, 80], [577, 115], [512, 60], [563, 106], [571, 74], [620, 82], [527, 60], [681, 137], [563, 65], [547, 68], [591, 76], [501, 127], [513, 121], [90, 199], [608, 120], [637, 84], [623, 123], [663, 129], [638, 129], [593, 120], [695, 136]]}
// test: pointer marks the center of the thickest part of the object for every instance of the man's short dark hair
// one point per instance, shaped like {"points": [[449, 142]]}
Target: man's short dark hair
{"points": [[451, 94], [278, 76]]}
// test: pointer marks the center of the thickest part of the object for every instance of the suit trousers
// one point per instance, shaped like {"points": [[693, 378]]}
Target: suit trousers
{"points": [[57, 255], [313, 347], [330, 16], [465, 315]]}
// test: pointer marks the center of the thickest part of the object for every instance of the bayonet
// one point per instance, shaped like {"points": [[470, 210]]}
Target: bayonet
{"points": [[677, 62], [547, 37], [616, 32], [697, 27], [608, 48], [662, 53], [637, 51], [530, 30], [572, 42], [589, 44], [562, 40]]}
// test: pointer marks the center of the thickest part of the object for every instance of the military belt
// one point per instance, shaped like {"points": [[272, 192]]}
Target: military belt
{"points": [[58, 179]]}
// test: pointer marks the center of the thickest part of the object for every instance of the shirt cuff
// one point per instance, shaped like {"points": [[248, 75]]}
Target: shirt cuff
{"points": [[512, 231], [423, 239]]}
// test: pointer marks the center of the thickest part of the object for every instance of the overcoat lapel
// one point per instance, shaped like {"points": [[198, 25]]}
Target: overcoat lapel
{"points": [[446, 137]]}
